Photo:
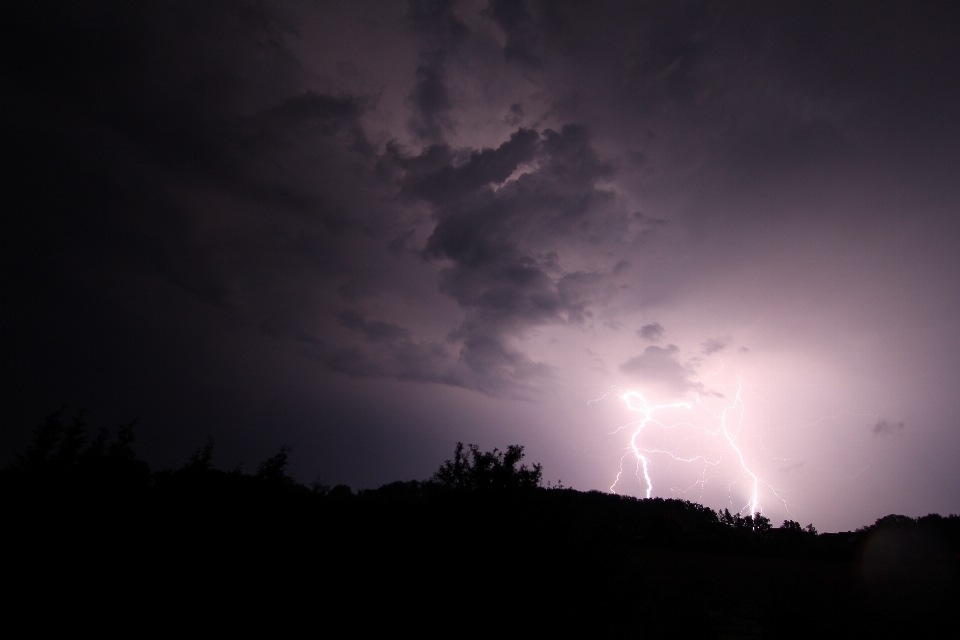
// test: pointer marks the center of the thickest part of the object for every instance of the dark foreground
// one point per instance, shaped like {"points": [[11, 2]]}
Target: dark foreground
{"points": [[93, 540]]}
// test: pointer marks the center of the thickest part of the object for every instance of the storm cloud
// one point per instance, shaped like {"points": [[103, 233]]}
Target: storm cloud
{"points": [[652, 332], [662, 365], [884, 427], [712, 346]]}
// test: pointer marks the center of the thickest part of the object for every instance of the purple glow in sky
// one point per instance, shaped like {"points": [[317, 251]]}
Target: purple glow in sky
{"points": [[371, 229]]}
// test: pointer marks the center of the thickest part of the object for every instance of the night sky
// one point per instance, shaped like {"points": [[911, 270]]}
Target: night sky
{"points": [[368, 230]]}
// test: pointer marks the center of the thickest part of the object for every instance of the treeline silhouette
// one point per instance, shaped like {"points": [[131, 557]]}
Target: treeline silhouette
{"points": [[481, 542]]}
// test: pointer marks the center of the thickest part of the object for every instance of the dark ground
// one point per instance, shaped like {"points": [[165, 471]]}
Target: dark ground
{"points": [[92, 539]]}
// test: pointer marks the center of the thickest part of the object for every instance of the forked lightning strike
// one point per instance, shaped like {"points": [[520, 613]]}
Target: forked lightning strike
{"points": [[637, 402], [730, 414]]}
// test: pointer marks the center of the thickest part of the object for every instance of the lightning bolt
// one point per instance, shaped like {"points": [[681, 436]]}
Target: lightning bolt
{"points": [[729, 429], [637, 402], [732, 440]]}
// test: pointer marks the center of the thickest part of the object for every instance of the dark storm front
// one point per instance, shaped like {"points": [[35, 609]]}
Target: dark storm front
{"points": [[88, 522]]}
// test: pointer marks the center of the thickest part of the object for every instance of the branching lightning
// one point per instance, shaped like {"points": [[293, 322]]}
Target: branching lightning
{"points": [[637, 402], [727, 432]]}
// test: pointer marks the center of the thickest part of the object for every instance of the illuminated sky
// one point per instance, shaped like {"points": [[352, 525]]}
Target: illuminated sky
{"points": [[368, 230]]}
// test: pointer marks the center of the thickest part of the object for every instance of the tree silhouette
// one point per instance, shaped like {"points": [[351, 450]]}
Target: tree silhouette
{"points": [[274, 469], [761, 523], [72, 441], [46, 441], [478, 470], [199, 460], [792, 526]]}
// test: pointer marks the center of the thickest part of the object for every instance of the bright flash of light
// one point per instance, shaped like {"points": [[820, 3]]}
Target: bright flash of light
{"points": [[638, 403], [727, 432]]}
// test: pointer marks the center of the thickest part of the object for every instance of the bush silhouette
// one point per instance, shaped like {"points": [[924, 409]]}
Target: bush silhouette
{"points": [[479, 470]]}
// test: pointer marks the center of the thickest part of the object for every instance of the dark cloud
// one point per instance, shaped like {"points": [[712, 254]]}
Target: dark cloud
{"points": [[794, 466], [515, 115], [375, 331], [176, 143], [433, 175], [287, 202], [712, 346], [517, 23], [441, 33], [389, 352], [407, 361], [404, 361], [652, 332], [162, 106], [505, 288], [484, 363], [774, 88], [662, 366], [885, 427], [431, 100]]}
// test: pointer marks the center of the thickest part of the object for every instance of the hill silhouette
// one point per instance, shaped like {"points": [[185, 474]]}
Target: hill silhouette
{"points": [[480, 548]]}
